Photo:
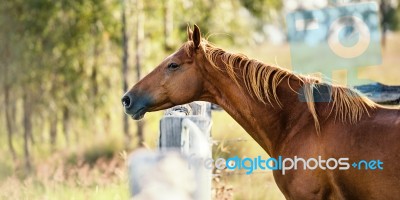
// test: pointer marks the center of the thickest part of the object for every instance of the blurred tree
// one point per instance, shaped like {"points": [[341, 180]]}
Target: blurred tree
{"points": [[262, 8], [49, 58], [139, 43], [125, 68], [60, 61], [389, 18], [168, 16], [265, 11], [27, 124], [6, 75]]}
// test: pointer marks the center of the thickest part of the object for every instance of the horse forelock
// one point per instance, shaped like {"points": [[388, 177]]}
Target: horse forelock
{"points": [[261, 81]]}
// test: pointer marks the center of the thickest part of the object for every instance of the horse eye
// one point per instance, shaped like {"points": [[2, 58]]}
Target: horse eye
{"points": [[173, 66]]}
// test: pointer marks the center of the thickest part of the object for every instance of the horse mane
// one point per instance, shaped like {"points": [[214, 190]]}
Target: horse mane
{"points": [[261, 81]]}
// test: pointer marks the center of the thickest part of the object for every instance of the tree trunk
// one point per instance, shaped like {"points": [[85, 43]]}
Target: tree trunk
{"points": [[125, 71], [8, 117], [31, 137], [53, 129], [168, 24], [139, 40], [96, 53], [66, 124], [41, 124], [13, 107], [27, 130], [384, 7]]}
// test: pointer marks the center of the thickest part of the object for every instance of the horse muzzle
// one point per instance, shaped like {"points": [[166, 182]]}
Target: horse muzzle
{"points": [[135, 105]]}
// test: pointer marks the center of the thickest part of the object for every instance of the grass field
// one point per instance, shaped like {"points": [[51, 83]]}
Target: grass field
{"points": [[98, 171]]}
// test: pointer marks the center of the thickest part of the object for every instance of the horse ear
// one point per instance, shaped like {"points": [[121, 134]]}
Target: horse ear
{"points": [[196, 36], [189, 32]]}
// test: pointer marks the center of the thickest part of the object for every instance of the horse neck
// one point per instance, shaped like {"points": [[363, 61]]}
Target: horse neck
{"points": [[266, 123]]}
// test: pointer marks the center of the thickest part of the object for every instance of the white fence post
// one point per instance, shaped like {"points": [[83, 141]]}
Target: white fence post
{"points": [[184, 130], [187, 128]]}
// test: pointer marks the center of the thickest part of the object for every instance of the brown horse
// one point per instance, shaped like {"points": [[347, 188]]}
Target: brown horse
{"points": [[278, 109]]}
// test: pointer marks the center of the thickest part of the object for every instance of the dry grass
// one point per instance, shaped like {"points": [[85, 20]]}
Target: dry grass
{"points": [[70, 175]]}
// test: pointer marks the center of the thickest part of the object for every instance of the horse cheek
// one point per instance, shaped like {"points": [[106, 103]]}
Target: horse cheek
{"points": [[193, 89], [184, 90]]}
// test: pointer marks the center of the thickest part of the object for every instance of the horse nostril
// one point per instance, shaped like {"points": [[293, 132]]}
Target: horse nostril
{"points": [[126, 101]]}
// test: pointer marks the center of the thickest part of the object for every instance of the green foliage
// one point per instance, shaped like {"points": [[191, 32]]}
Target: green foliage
{"points": [[261, 8], [393, 17]]}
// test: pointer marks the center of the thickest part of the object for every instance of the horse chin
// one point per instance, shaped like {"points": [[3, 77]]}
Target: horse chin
{"points": [[139, 114]]}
